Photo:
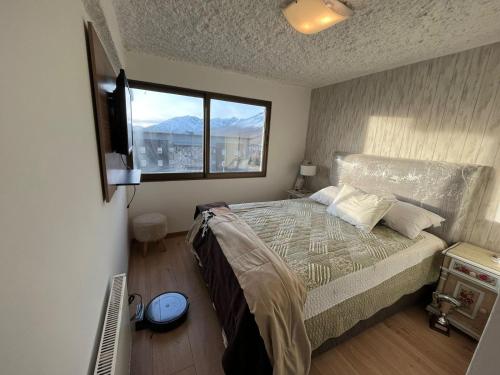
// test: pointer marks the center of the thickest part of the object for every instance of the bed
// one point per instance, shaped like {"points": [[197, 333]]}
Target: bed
{"points": [[351, 279]]}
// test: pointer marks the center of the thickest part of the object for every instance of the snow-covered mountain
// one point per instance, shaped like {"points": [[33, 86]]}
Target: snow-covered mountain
{"points": [[222, 126], [178, 125]]}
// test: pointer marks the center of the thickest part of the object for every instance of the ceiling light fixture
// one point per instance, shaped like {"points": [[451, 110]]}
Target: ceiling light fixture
{"points": [[313, 16]]}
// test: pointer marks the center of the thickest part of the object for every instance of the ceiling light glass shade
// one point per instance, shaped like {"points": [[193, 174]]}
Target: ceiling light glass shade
{"points": [[313, 16]]}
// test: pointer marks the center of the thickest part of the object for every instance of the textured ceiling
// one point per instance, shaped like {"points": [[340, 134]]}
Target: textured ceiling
{"points": [[252, 36]]}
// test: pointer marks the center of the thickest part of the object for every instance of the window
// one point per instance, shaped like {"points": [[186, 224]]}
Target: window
{"points": [[190, 134], [236, 136], [168, 132]]}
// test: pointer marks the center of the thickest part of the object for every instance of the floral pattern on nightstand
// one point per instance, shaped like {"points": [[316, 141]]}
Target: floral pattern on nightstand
{"points": [[466, 297], [469, 297], [472, 272]]}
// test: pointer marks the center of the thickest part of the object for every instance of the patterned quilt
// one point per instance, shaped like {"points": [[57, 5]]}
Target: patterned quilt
{"points": [[317, 246]]}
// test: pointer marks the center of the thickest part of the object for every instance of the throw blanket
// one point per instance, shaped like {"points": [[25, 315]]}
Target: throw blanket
{"points": [[275, 296]]}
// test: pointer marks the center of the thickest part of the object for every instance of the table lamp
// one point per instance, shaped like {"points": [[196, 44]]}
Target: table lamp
{"points": [[306, 169]]}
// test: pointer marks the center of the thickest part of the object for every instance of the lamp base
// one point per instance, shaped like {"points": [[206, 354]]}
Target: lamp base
{"points": [[299, 183]]}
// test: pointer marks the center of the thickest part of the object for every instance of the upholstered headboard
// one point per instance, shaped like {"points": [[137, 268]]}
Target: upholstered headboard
{"points": [[451, 190]]}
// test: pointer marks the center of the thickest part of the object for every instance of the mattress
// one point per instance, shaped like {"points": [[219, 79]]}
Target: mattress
{"points": [[338, 319], [338, 262]]}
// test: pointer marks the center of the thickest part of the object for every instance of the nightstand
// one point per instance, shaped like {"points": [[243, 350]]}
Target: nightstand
{"points": [[296, 194], [470, 275]]}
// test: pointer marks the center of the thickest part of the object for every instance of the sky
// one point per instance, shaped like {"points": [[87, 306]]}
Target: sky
{"points": [[152, 107]]}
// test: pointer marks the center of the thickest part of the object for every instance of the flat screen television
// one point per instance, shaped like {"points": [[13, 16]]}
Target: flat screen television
{"points": [[122, 138]]}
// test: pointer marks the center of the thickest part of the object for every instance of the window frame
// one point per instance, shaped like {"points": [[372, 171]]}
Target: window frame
{"points": [[207, 96]]}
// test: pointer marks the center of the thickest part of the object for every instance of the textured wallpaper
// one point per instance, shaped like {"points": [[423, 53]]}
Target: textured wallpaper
{"points": [[445, 109]]}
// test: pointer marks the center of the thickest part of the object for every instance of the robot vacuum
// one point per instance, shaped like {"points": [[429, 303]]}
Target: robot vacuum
{"points": [[163, 313]]}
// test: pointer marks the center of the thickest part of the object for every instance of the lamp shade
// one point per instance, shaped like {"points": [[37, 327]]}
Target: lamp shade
{"points": [[308, 170], [313, 16]]}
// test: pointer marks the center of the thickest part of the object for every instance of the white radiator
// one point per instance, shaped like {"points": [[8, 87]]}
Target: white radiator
{"points": [[113, 357]]}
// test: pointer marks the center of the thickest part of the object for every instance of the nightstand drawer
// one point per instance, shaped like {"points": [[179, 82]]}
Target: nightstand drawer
{"points": [[476, 274]]}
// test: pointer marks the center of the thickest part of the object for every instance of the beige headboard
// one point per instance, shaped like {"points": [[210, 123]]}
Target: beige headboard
{"points": [[451, 190]]}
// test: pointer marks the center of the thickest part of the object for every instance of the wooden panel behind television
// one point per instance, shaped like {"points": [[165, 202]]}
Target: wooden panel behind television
{"points": [[103, 80]]}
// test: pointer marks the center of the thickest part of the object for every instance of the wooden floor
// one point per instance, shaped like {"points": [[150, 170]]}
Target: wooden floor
{"points": [[403, 344]]}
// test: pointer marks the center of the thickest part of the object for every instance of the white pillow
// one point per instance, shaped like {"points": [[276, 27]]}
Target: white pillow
{"points": [[358, 208], [326, 195], [435, 218], [410, 220]]}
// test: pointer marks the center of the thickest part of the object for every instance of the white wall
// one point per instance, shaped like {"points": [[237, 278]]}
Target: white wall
{"points": [[103, 16], [109, 14], [289, 116], [485, 360], [59, 242]]}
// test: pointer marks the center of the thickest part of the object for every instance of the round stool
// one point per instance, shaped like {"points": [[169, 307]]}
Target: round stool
{"points": [[150, 228]]}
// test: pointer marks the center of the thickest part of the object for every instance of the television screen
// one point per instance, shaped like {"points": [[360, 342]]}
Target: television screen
{"points": [[121, 131], [128, 108]]}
